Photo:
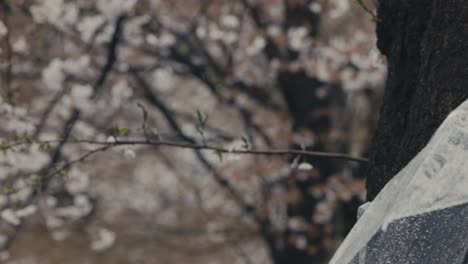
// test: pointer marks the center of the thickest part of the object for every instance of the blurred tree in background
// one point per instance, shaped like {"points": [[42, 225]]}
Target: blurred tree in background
{"points": [[130, 129]]}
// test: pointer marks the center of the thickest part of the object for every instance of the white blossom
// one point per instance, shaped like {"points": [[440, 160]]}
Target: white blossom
{"points": [[47, 11], [301, 242], [164, 40], [80, 96], [76, 66], [214, 32], [106, 35], [53, 222], [230, 37], [60, 235], [323, 213], [132, 30], [70, 14], [120, 91], [201, 32], [233, 157], [21, 195], [19, 125], [257, 46], [110, 139], [339, 8], [315, 7], [81, 207], [55, 12], [129, 153], [53, 75], [9, 216], [296, 38], [51, 201], [273, 30], [111, 9], [305, 166], [296, 224], [77, 181], [88, 26], [31, 159], [163, 79], [26, 211], [105, 240], [3, 29], [230, 21], [152, 39], [84, 129]]}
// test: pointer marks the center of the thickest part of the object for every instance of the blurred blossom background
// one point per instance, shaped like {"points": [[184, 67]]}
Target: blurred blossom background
{"points": [[236, 74]]}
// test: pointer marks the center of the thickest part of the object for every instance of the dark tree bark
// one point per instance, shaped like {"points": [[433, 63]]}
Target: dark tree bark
{"points": [[425, 42]]}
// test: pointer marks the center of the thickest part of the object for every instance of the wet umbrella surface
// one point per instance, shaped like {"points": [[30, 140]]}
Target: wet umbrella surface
{"points": [[421, 216]]}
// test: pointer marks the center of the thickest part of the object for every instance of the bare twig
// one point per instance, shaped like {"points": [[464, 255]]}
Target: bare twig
{"points": [[195, 146]]}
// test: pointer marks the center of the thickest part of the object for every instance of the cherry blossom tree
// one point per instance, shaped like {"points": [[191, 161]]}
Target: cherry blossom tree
{"points": [[234, 124]]}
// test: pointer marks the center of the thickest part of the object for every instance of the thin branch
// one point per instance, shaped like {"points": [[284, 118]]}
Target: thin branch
{"points": [[195, 146], [374, 16]]}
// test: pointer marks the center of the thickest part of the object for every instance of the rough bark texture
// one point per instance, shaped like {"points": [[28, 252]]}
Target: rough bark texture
{"points": [[426, 44]]}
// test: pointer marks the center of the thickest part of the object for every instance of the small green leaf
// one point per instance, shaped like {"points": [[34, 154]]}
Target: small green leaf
{"points": [[199, 129], [375, 18], [22, 137], [200, 125], [4, 147], [8, 190], [219, 153], [124, 131], [117, 131], [44, 146], [35, 182], [201, 118]]}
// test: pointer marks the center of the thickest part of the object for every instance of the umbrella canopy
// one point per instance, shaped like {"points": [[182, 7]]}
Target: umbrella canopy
{"points": [[421, 216]]}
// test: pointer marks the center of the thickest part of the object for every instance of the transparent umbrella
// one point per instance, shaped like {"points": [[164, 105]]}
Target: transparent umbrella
{"points": [[421, 216]]}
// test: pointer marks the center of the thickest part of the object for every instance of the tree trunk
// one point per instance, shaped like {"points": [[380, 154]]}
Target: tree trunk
{"points": [[425, 42]]}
